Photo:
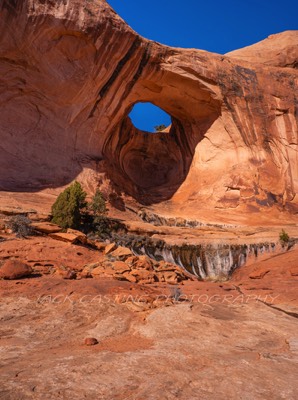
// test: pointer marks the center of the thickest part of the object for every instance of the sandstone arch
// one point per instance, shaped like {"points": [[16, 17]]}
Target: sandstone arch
{"points": [[71, 72]]}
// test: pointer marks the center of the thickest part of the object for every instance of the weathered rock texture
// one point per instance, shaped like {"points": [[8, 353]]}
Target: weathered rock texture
{"points": [[70, 73], [212, 347]]}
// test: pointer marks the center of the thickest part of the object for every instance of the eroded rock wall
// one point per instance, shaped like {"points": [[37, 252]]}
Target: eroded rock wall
{"points": [[71, 71]]}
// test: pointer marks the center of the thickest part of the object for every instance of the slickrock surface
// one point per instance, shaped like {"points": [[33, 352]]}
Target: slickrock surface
{"points": [[72, 70], [210, 347], [279, 50]]}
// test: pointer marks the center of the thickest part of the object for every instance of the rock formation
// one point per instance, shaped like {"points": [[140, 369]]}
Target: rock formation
{"points": [[71, 71], [14, 269]]}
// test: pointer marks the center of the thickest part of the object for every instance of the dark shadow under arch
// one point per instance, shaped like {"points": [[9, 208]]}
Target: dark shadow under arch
{"points": [[151, 167]]}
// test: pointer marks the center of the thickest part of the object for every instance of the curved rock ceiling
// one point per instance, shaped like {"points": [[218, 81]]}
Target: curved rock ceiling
{"points": [[71, 72]]}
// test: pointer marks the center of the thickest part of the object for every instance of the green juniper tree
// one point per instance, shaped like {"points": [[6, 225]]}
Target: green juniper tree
{"points": [[98, 206], [66, 210], [102, 224]]}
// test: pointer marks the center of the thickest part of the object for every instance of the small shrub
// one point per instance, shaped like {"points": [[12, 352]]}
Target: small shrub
{"points": [[98, 205], [102, 226], [284, 237], [20, 225], [105, 227], [159, 128], [66, 210]]}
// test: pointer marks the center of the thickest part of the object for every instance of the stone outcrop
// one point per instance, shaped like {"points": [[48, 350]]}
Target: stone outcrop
{"points": [[71, 71], [46, 227], [71, 236], [45, 255]]}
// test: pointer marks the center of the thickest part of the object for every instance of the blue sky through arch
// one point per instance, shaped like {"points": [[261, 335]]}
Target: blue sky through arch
{"points": [[145, 116]]}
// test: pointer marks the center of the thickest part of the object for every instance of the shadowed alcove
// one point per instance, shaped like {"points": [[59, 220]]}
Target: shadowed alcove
{"points": [[150, 166]]}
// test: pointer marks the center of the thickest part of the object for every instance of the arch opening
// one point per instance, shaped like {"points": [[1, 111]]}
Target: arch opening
{"points": [[147, 117], [151, 167]]}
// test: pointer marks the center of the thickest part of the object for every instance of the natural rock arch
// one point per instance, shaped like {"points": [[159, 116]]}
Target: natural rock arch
{"points": [[71, 73]]}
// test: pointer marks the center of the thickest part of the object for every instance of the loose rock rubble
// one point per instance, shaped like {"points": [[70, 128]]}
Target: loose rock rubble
{"points": [[64, 254], [121, 264]]}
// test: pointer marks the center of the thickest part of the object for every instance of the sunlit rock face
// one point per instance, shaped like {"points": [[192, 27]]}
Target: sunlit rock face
{"points": [[71, 72]]}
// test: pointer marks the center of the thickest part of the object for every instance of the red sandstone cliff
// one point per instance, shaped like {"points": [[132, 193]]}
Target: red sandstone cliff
{"points": [[71, 71]]}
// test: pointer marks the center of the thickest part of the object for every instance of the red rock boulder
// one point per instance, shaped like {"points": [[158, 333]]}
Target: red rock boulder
{"points": [[15, 269]]}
